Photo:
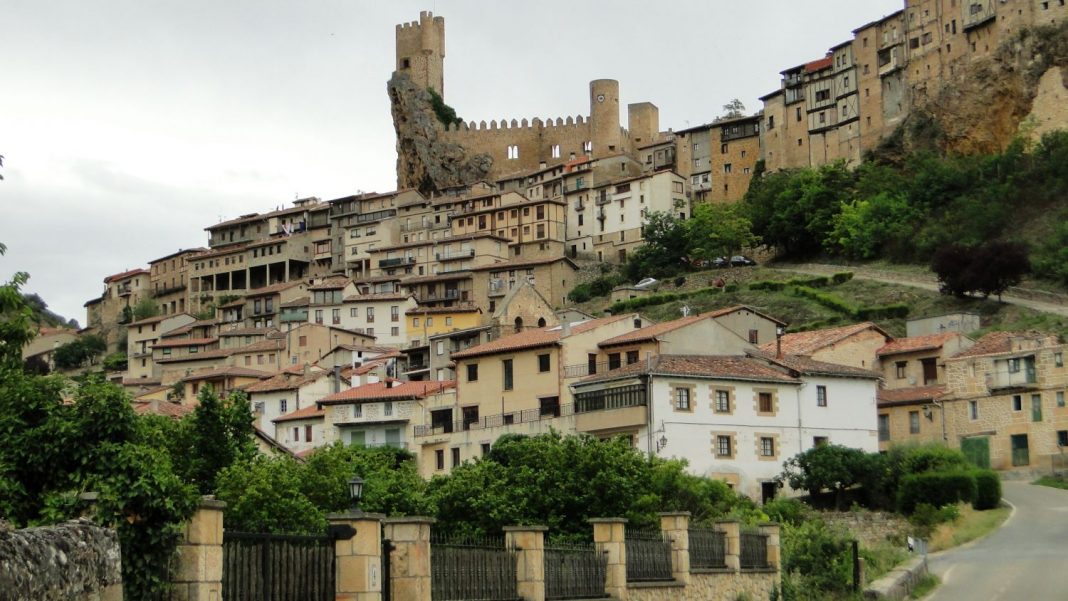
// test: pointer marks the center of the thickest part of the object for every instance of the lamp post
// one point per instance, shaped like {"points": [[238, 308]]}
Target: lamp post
{"points": [[779, 332], [355, 493]]}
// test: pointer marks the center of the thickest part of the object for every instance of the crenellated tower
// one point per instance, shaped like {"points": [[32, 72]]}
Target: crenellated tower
{"points": [[421, 51]]}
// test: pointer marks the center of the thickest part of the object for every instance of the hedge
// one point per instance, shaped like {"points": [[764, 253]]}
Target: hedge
{"points": [[767, 285], [935, 488], [818, 281], [842, 277], [883, 312], [657, 299], [827, 300], [987, 489]]}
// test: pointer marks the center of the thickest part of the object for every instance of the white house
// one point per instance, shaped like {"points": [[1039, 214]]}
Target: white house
{"points": [[377, 413], [735, 418], [291, 390]]}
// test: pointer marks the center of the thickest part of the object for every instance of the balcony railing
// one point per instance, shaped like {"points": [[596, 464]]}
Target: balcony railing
{"points": [[379, 445], [376, 216], [579, 205], [603, 199], [1004, 378], [495, 421], [384, 263], [453, 256], [168, 290], [581, 370]]}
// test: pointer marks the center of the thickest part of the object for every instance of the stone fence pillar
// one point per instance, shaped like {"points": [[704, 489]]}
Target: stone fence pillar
{"points": [[529, 543], [358, 559], [610, 538], [198, 564], [409, 564], [732, 534], [771, 530], [676, 526]]}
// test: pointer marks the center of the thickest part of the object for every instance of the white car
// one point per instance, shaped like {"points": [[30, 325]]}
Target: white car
{"points": [[647, 283]]}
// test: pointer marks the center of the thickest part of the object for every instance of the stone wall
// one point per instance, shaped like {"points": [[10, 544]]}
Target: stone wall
{"points": [[868, 527], [76, 560], [727, 585]]}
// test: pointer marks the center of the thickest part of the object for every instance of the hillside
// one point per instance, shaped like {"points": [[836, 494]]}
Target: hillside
{"points": [[806, 313], [44, 317]]}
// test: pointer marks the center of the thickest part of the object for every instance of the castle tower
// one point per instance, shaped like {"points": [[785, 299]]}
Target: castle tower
{"points": [[604, 118], [421, 51], [643, 123]]}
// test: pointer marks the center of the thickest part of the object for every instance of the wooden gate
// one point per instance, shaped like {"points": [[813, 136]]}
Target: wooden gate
{"points": [[977, 450], [277, 567]]}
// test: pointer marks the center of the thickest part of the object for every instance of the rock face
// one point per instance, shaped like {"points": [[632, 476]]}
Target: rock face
{"points": [[74, 560], [425, 160]]}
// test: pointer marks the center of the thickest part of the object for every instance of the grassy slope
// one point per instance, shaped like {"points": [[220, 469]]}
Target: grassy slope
{"points": [[803, 313]]}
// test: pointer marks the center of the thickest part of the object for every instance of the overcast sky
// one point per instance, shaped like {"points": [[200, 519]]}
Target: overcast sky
{"points": [[129, 126]]}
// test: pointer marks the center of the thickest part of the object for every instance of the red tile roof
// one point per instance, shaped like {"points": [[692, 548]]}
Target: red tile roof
{"points": [[908, 396], [731, 367], [917, 343], [288, 379], [806, 343], [655, 331], [274, 288], [381, 391], [331, 284], [819, 65], [173, 342], [309, 412], [246, 332], [125, 274], [534, 338], [229, 371], [1000, 342], [165, 408], [505, 265], [811, 367]]}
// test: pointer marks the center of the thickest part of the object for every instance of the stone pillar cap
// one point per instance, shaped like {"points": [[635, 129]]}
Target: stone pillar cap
{"points": [[672, 514], [210, 502], [607, 520], [525, 528], [411, 519], [348, 516]]}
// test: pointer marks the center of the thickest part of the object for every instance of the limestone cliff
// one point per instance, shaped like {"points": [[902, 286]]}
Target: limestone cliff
{"points": [[1019, 90], [425, 160]]}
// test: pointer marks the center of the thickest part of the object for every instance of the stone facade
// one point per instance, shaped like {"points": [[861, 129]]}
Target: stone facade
{"points": [[197, 570], [869, 527], [75, 561]]}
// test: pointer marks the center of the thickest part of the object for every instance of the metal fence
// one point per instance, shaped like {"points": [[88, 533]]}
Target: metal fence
{"points": [[648, 555], [574, 571], [754, 550], [708, 548], [469, 569], [277, 567], [495, 421]]}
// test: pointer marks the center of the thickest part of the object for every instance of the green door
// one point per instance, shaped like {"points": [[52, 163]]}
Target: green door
{"points": [[1020, 455], [977, 450]]}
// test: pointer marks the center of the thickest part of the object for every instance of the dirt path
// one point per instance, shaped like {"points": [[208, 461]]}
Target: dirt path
{"points": [[1038, 300]]}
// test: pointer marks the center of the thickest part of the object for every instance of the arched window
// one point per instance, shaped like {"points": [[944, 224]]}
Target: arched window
{"points": [[541, 322], [518, 324], [556, 151], [587, 147], [513, 151]]}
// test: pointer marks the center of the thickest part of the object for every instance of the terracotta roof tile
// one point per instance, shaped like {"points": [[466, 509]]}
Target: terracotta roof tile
{"points": [[334, 283], [227, 371], [246, 332], [806, 343], [811, 367], [916, 343], [732, 367], [126, 274], [999, 342], [173, 342], [165, 408], [437, 310], [309, 412], [262, 345], [520, 264], [381, 391], [213, 354], [534, 338], [287, 380], [297, 302], [274, 288], [908, 396]]}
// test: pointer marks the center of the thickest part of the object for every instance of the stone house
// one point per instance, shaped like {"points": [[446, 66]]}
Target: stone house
{"points": [[142, 335], [378, 413], [854, 344]]}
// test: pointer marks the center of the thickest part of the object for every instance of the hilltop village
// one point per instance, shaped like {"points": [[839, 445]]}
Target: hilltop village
{"points": [[436, 317]]}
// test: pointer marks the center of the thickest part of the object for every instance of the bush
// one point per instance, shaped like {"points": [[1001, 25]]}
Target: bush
{"points": [[827, 300], [818, 281], [786, 510], [732, 287], [767, 285], [926, 516], [987, 489], [842, 277], [935, 488], [897, 310]]}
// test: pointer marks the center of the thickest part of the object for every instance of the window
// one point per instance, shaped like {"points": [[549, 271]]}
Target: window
{"points": [[282, 406], [472, 372], [822, 95], [819, 441], [507, 366], [543, 363], [513, 152], [973, 410], [357, 411], [1062, 438], [1017, 402], [335, 316], [307, 433], [767, 446], [448, 320], [394, 313], [764, 401], [723, 401], [613, 361], [485, 449], [914, 422], [1060, 398], [754, 336], [441, 347], [900, 369], [439, 459], [727, 168], [455, 456], [722, 148], [354, 312], [1058, 360], [821, 396], [632, 357], [296, 434], [549, 406], [884, 428], [556, 151], [387, 408], [1036, 407], [369, 331], [723, 446], [682, 399], [370, 314], [1014, 366], [415, 322]]}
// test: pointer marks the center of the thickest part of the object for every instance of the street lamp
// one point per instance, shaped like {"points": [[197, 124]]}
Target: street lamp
{"points": [[355, 492], [780, 331]]}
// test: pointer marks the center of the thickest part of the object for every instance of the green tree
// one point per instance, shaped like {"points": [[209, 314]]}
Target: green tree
{"points": [[664, 251], [826, 467], [866, 229], [733, 109], [718, 230], [79, 351], [217, 434], [144, 309], [1051, 256]]}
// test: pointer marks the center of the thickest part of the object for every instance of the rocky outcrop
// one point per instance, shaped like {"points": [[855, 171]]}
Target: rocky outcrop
{"points": [[74, 560], [426, 161]]}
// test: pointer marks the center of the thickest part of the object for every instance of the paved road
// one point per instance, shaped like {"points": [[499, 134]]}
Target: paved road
{"points": [[917, 282], [1025, 560]]}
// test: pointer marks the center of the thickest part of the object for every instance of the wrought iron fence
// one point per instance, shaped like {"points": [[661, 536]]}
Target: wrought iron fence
{"points": [[708, 548], [467, 569], [574, 571], [648, 555], [277, 567], [494, 421], [754, 550]]}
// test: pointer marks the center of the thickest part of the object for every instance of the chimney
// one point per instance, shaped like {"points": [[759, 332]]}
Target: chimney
{"points": [[372, 378], [307, 369], [337, 378]]}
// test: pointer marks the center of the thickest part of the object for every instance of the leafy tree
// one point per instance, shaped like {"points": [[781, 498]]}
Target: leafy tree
{"points": [[718, 230], [144, 309], [79, 351], [987, 269], [1051, 256], [115, 362], [733, 109], [826, 467], [880, 225], [664, 251], [217, 434]]}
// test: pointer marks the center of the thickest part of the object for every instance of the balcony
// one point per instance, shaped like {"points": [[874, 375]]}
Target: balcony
{"points": [[452, 294], [601, 215], [455, 255], [497, 288], [603, 198], [581, 370], [495, 421], [575, 188], [168, 290], [124, 290], [611, 409], [414, 227], [891, 65], [376, 216], [385, 263], [579, 206], [379, 445], [1005, 377]]}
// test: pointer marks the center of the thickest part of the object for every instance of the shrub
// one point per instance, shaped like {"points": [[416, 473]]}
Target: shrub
{"points": [[926, 516], [897, 310], [580, 293], [935, 488], [732, 287], [786, 510], [842, 277], [767, 285], [827, 300], [987, 489], [818, 281]]}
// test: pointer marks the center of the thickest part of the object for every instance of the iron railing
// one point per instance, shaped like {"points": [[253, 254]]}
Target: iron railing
{"points": [[495, 421], [580, 370], [574, 571], [754, 550], [648, 555], [464, 568], [708, 549], [277, 567]]}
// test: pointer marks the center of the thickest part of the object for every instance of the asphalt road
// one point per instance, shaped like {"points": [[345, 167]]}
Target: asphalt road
{"points": [[1025, 560]]}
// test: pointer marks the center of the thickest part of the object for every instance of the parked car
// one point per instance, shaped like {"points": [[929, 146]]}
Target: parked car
{"points": [[720, 262], [741, 261], [651, 283]]}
